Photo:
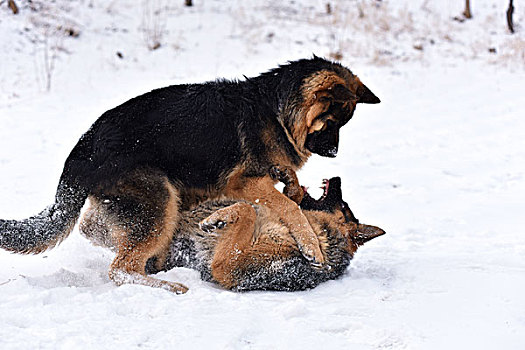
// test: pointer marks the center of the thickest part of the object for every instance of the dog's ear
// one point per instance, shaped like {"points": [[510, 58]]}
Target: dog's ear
{"points": [[364, 95], [319, 105], [366, 232]]}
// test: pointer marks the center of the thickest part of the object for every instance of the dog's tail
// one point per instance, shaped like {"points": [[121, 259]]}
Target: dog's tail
{"points": [[48, 228]]}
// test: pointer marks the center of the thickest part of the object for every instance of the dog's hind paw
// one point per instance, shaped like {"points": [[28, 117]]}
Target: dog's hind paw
{"points": [[174, 287], [225, 216]]}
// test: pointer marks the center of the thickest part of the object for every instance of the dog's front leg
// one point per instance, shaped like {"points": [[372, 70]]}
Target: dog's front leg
{"points": [[261, 191], [292, 189]]}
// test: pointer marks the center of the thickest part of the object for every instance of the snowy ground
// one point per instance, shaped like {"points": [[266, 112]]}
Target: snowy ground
{"points": [[439, 164]]}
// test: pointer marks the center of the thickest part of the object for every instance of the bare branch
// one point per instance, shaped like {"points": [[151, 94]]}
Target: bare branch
{"points": [[510, 11], [12, 6], [467, 13]]}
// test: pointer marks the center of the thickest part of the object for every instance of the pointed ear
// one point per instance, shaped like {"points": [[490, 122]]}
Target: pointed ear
{"points": [[334, 187], [366, 233], [364, 95]]}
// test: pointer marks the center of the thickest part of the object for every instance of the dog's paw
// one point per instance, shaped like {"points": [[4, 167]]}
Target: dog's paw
{"points": [[210, 225], [174, 287], [284, 174], [310, 250], [277, 173], [312, 259]]}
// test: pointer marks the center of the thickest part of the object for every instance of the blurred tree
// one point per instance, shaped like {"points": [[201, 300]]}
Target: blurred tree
{"points": [[12, 6], [510, 11], [467, 12]]}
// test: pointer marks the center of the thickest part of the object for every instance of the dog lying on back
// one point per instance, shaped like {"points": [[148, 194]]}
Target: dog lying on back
{"points": [[243, 246]]}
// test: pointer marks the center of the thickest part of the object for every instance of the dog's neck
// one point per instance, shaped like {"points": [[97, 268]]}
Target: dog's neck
{"points": [[270, 86], [282, 96]]}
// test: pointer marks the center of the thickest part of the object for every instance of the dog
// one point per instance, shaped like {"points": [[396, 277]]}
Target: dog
{"points": [[244, 246], [167, 150]]}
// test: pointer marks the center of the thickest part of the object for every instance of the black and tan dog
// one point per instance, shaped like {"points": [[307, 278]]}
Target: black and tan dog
{"points": [[169, 149], [244, 246]]}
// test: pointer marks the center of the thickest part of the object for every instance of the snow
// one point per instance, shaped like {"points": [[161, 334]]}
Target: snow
{"points": [[439, 164]]}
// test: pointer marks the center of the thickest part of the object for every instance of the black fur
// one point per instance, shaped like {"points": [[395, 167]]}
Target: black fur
{"points": [[46, 229], [326, 142]]}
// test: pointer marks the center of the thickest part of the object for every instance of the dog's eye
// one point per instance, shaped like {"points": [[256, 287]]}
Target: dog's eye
{"points": [[325, 116], [325, 99], [342, 94]]}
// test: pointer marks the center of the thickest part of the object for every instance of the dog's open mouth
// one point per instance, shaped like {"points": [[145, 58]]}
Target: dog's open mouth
{"points": [[324, 187]]}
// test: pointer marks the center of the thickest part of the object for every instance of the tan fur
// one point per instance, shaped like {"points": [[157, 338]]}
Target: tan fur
{"points": [[316, 98], [141, 234], [319, 125], [169, 225], [262, 191], [241, 216], [315, 91], [249, 239], [252, 240], [337, 222], [128, 265]]}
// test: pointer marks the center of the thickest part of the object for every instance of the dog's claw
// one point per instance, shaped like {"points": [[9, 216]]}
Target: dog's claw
{"points": [[276, 173], [177, 288], [308, 255], [316, 265]]}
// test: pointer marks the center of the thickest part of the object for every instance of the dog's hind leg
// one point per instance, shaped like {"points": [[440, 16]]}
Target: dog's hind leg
{"points": [[145, 213], [129, 268]]}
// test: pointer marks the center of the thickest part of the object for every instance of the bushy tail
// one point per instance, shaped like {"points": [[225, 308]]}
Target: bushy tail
{"points": [[46, 229]]}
